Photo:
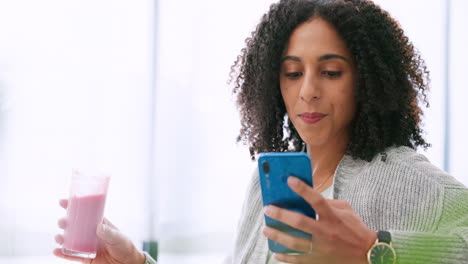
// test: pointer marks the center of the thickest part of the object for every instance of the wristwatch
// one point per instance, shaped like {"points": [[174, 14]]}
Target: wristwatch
{"points": [[382, 251]]}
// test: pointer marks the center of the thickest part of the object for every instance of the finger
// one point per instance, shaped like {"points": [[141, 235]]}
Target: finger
{"points": [[308, 258], [338, 204], [58, 252], [110, 235], [313, 197], [63, 203], [59, 239], [114, 242], [294, 219], [62, 223], [289, 241], [107, 222]]}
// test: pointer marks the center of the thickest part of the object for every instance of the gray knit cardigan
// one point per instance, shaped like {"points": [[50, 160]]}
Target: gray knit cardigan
{"points": [[400, 191]]}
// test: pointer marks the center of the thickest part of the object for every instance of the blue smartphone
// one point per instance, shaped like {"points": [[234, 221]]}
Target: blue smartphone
{"points": [[274, 170]]}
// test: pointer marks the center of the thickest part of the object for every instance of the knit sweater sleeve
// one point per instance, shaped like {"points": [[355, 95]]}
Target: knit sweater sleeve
{"points": [[447, 242]]}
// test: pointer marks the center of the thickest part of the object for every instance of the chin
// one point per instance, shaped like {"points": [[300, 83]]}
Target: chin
{"points": [[314, 144], [314, 140]]}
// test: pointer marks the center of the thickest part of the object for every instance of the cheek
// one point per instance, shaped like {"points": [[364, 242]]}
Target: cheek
{"points": [[344, 102], [288, 97], [290, 91], [347, 103]]}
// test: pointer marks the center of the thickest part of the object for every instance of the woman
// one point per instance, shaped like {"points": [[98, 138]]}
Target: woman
{"points": [[339, 80], [349, 83]]}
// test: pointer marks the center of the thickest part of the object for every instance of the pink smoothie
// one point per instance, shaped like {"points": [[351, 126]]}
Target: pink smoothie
{"points": [[84, 213]]}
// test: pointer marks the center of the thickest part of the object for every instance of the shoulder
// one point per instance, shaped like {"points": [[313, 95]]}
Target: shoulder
{"points": [[253, 189], [251, 219], [253, 200]]}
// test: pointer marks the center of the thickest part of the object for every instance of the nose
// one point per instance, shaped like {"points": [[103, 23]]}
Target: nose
{"points": [[310, 88]]}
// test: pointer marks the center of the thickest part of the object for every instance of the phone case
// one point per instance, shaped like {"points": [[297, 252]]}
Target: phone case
{"points": [[275, 190]]}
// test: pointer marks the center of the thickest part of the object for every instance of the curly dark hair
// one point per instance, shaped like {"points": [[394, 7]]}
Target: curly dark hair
{"points": [[392, 78]]}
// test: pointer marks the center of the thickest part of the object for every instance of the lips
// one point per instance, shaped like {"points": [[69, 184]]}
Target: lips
{"points": [[312, 118]]}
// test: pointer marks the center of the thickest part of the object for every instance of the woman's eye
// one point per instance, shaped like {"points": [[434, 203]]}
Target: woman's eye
{"points": [[332, 74], [293, 74]]}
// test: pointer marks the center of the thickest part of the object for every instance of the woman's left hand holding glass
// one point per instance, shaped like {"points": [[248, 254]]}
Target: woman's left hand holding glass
{"points": [[339, 236]]}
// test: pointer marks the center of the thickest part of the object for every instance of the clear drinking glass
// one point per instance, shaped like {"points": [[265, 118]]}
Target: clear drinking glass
{"points": [[88, 191]]}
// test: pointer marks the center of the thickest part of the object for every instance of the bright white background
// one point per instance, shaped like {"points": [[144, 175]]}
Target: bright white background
{"points": [[76, 90]]}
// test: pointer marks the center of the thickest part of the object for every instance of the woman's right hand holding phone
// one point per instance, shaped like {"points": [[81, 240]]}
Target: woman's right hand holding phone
{"points": [[113, 248]]}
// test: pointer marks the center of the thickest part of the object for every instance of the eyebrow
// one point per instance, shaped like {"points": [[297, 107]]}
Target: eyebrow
{"points": [[321, 58]]}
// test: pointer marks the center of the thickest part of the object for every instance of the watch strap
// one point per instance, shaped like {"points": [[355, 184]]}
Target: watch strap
{"points": [[384, 236]]}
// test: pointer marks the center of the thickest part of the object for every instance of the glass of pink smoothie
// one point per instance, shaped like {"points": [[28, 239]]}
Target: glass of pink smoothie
{"points": [[85, 211]]}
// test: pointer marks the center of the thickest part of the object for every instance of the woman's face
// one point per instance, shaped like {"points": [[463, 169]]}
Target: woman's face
{"points": [[318, 83]]}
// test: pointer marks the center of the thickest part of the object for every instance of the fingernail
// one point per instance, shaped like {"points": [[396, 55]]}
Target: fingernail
{"points": [[266, 230], [293, 181]]}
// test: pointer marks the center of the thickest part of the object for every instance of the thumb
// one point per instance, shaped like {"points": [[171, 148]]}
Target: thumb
{"points": [[117, 245], [109, 235]]}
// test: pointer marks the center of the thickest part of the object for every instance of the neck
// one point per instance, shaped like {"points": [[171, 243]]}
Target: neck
{"points": [[325, 159]]}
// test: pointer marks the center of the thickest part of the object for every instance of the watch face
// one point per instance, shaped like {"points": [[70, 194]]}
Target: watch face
{"points": [[382, 253]]}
